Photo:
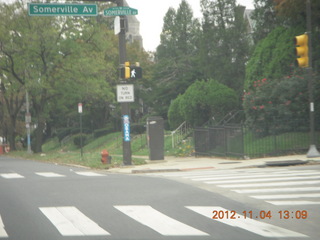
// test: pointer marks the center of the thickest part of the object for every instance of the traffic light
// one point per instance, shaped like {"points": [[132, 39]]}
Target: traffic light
{"points": [[302, 50], [135, 72], [132, 72], [125, 71]]}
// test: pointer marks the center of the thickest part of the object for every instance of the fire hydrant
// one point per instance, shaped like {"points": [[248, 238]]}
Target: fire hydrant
{"points": [[105, 156]]}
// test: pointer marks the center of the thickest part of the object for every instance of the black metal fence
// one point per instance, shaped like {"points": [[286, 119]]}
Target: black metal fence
{"points": [[241, 142]]}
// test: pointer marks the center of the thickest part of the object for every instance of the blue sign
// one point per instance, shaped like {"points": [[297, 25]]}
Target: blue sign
{"points": [[126, 128]]}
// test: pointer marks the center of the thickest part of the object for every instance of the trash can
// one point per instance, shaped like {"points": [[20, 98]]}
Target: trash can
{"points": [[155, 135]]}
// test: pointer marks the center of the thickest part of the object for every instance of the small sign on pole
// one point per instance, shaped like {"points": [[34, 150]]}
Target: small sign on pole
{"points": [[120, 11], [125, 93], [80, 107], [126, 128]]}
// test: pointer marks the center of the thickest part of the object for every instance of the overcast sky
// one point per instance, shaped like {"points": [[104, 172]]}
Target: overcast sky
{"points": [[151, 14]]}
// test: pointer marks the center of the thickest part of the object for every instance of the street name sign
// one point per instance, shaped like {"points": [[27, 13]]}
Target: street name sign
{"points": [[125, 93], [120, 11], [56, 9]]}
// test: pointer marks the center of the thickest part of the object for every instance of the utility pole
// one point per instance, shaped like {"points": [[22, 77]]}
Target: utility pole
{"points": [[313, 152], [28, 122], [125, 108]]}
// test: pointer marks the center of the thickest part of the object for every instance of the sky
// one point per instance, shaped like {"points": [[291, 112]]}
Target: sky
{"points": [[152, 12]]}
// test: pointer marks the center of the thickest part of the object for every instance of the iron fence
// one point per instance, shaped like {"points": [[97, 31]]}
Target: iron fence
{"points": [[241, 142]]}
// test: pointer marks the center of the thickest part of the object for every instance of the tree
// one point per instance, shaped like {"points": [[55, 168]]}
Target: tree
{"points": [[224, 43], [202, 101], [59, 60], [175, 62], [273, 56], [12, 71]]}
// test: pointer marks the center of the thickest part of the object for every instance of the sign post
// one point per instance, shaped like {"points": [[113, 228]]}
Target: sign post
{"points": [[80, 112]]}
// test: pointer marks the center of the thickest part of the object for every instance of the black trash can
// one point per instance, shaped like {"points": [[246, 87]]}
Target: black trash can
{"points": [[155, 135]]}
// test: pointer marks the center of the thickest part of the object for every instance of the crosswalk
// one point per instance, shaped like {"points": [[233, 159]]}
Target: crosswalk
{"points": [[70, 221], [11, 175], [281, 187]]}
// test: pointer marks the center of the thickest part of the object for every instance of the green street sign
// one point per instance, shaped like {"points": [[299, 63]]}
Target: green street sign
{"points": [[120, 11], [56, 9]]}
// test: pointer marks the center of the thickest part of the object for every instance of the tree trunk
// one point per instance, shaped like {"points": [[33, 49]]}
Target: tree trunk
{"points": [[38, 137]]}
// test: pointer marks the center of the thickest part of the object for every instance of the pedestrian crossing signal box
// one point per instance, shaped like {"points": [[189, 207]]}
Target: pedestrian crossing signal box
{"points": [[131, 72]]}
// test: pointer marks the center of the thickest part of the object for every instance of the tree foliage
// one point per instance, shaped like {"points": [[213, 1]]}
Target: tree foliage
{"points": [[176, 57], [60, 61], [224, 44], [203, 100], [283, 102], [273, 56]]}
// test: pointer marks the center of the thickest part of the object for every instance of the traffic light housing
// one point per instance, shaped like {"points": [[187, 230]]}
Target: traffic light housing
{"points": [[125, 71], [302, 50], [132, 72]]}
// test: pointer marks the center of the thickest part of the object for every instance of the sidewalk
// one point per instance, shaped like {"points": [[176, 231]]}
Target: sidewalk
{"points": [[171, 164]]}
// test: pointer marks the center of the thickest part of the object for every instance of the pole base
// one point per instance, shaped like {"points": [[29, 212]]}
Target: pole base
{"points": [[313, 152]]}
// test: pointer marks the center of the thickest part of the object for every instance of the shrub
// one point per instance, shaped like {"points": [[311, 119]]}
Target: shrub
{"points": [[77, 139]]}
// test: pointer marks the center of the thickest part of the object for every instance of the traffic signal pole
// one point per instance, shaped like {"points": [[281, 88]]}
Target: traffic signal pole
{"points": [[125, 107], [313, 152]]}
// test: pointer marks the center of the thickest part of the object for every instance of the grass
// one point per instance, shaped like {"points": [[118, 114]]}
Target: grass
{"points": [[68, 153], [274, 144]]}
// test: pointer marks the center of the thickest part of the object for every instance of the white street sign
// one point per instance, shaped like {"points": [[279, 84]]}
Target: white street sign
{"points": [[125, 93]]}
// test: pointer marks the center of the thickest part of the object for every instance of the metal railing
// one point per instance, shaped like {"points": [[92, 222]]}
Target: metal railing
{"points": [[180, 133]]}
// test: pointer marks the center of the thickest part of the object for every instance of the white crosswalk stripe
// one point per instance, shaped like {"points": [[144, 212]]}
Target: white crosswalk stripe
{"points": [[275, 186], [71, 222], [90, 174], [251, 225], [52, 174], [11, 175], [49, 174], [159, 222], [3, 232]]}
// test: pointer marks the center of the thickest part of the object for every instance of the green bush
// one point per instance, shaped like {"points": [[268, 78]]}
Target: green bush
{"points": [[137, 128], [202, 101], [77, 139], [104, 131], [283, 102]]}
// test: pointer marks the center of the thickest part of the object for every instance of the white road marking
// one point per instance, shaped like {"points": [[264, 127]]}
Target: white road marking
{"points": [[49, 174], [11, 175], [293, 203], [159, 222], [269, 190], [269, 184], [246, 176], [270, 179], [3, 232], [251, 225], [90, 174], [286, 196], [71, 222]]}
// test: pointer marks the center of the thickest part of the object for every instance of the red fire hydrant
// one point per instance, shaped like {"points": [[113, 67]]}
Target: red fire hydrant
{"points": [[105, 156]]}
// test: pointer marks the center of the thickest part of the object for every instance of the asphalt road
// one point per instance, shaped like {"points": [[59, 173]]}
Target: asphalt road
{"points": [[46, 201]]}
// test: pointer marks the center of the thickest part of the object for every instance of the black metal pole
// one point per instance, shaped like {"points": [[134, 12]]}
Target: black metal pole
{"points": [[81, 154], [125, 108], [313, 152]]}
